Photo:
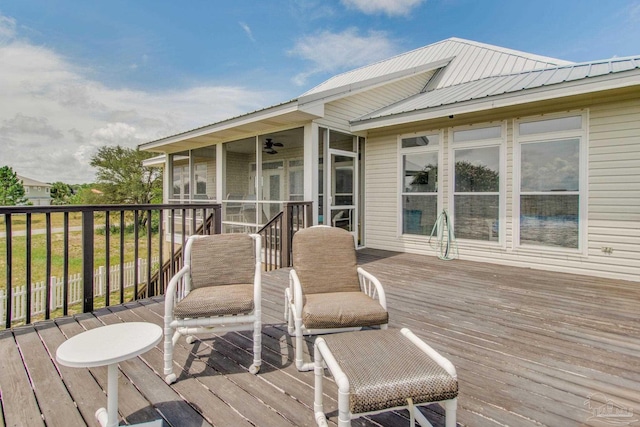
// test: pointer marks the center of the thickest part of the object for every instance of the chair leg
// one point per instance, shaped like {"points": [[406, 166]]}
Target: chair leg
{"points": [[286, 305], [300, 364], [450, 407], [318, 406], [257, 346], [170, 377]]}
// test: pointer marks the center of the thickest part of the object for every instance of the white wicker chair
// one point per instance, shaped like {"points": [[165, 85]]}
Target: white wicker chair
{"points": [[327, 291], [218, 290]]}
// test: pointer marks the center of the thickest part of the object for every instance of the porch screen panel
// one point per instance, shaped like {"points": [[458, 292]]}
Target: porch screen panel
{"points": [[240, 189]]}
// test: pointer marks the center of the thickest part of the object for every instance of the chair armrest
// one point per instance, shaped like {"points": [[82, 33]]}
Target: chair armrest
{"points": [[429, 351], [366, 281], [171, 295], [295, 290]]}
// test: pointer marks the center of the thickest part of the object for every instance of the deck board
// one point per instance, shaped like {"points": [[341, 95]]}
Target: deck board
{"points": [[532, 348]]}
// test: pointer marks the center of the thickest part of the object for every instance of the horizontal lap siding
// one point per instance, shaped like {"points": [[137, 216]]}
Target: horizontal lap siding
{"points": [[614, 188], [613, 200], [381, 194]]}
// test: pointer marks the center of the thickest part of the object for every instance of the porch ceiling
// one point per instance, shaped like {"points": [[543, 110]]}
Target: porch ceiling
{"points": [[260, 122]]}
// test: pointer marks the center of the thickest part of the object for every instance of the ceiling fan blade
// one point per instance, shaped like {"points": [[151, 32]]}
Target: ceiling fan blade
{"points": [[278, 144]]}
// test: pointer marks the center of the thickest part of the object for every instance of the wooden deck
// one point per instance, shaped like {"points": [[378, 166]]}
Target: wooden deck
{"points": [[531, 348]]}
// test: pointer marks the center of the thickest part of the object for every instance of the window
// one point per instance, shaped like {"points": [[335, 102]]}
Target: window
{"points": [[477, 183], [419, 157], [550, 154]]}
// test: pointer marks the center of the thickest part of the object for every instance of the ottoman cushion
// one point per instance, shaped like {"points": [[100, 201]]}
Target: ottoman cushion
{"points": [[384, 368]]}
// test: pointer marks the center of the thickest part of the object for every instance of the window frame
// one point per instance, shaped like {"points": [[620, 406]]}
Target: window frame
{"points": [[582, 135], [401, 152], [501, 143]]}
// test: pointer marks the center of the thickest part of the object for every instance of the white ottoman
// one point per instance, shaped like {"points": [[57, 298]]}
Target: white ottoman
{"points": [[380, 370]]}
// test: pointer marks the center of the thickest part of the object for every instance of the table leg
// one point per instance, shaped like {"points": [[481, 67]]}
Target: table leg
{"points": [[109, 417]]}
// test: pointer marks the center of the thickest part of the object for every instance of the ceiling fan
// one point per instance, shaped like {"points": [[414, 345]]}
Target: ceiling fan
{"points": [[269, 144]]}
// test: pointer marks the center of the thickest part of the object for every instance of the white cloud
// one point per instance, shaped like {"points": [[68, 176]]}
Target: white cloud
{"points": [[58, 116], [247, 30], [331, 52], [389, 7], [7, 28]]}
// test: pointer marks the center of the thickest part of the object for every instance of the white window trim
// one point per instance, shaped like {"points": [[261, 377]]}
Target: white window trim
{"points": [[439, 196], [583, 134], [501, 142]]}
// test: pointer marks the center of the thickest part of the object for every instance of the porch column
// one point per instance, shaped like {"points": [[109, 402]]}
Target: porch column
{"points": [[311, 159], [220, 168]]}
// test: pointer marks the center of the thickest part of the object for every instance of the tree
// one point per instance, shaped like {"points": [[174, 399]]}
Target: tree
{"points": [[123, 179], [11, 188], [61, 193], [473, 177]]}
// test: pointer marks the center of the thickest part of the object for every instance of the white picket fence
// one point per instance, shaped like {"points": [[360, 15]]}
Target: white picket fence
{"points": [[76, 289]]}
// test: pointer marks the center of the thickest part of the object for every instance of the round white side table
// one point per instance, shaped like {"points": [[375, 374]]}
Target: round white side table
{"points": [[108, 345]]}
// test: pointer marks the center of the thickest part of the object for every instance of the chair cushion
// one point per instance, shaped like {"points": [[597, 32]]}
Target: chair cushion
{"points": [[342, 310], [222, 259], [325, 260], [384, 368], [220, 300]]}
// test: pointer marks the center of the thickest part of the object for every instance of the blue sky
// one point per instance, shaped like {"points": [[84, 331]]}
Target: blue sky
{"points": [[77, 75]]}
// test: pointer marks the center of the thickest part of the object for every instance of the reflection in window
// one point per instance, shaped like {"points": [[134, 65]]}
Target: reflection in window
{"points": [[476, 196], [419, 192], [478, 134], [550, 166], [549, 193], [550, 220], [551, 125]]}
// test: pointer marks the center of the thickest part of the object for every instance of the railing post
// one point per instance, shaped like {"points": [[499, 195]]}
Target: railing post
{"points": [[217, 219], [308, 220], [9, 242], [286, 235], [87, 259]]}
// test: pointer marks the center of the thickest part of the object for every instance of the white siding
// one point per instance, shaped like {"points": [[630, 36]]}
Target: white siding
{"points": [[613, 200]]}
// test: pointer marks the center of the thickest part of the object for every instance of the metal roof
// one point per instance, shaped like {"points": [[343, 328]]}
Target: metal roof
{"points": [[469, 61], [498, 85]]}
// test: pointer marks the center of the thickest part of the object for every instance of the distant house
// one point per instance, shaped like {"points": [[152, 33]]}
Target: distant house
{"points": [[535, 159], [38, 193]]}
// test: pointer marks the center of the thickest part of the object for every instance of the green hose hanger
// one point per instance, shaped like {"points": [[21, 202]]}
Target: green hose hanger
{"points": [[445, 241]]}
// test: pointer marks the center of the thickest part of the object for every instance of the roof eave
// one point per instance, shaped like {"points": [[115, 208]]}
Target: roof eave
{"points": [[353, 88], [578, 87], [266, 114]]}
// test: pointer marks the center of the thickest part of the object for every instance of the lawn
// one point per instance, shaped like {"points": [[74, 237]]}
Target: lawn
{"points": [[38, 221]]}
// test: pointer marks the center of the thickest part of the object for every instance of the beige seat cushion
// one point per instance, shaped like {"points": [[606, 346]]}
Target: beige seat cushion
{"points": [[342, 310], [325, 260], [384, 368], [218, 300], [222, 259]]}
